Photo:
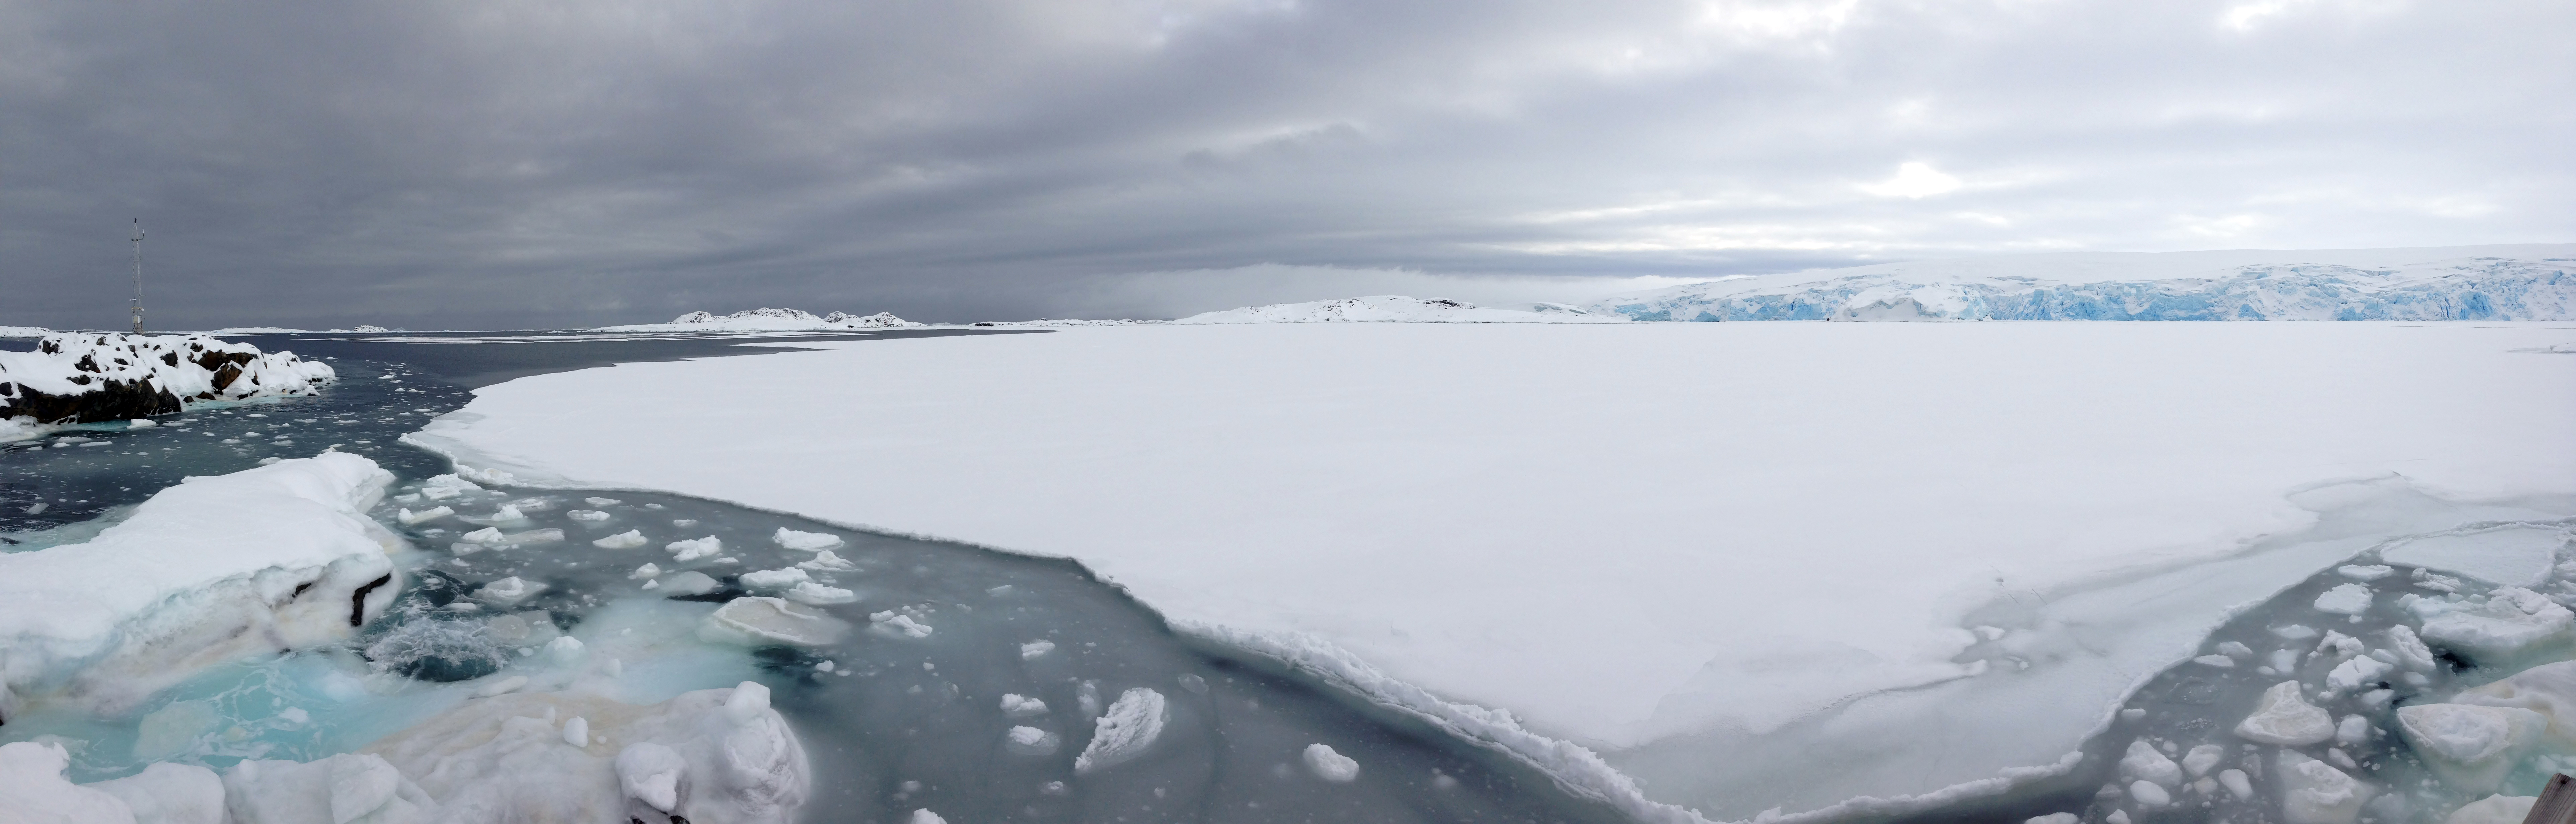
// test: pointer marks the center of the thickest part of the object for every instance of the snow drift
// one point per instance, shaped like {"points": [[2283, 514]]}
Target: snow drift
{"points": [[278, 557], [2524, 283], [83, 377], [1400, 309], [766, 320]]}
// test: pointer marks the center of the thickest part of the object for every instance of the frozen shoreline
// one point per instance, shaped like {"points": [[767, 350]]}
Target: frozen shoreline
{"points": [[1254, 439]]}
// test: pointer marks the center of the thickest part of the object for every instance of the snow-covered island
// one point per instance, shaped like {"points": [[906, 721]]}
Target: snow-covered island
{"points": [[89, 377], [766, 320], [1400, 309]]}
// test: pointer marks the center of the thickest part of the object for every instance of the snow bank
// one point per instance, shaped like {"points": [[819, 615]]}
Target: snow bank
{"points": [[88, 377], [765, 320], [1633, 538], [2528, 282], [1400, 309], [277, 557]]}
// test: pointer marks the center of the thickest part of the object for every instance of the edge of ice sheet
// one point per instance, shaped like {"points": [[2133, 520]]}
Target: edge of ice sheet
{"points": [[212, 567]]}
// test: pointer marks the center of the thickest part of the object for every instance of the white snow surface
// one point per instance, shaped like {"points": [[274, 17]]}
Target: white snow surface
{"points": [[1642, 538], [2506, 282], [200, 573], [766, 320], [1399, 309]]}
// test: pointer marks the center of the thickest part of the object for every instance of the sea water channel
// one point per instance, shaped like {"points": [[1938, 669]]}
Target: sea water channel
{"points": [[907, 712]]}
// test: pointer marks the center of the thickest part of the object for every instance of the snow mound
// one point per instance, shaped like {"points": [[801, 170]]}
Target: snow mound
{"points": [[2385, 284], [278, 557], [766, 320], [86, 378], [1399, 309]]}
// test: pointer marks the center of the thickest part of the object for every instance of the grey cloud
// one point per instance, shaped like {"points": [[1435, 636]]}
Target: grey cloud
{"points": [[481, 165]]}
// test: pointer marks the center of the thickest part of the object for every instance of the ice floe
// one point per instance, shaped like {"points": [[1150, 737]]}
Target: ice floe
{"points": [[1124, 732]]}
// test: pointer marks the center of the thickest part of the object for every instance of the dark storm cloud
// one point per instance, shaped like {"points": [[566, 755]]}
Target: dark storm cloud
{"points": [[543, 164]]}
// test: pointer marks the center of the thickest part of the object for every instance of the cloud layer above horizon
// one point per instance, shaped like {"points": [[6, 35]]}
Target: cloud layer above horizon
{"points": [[555, 164]]}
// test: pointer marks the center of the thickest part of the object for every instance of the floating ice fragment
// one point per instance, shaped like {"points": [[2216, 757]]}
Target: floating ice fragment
{"points": [[167, 793], [486, 535], [341, 788], [629, 539], [533, 536], [2371, 572], [443, 487], [899, 623], [1030, 741], [2348, 599], [587, 515], [814, 594], [2285, 717], [755, 621], [2501, 625], [825, 561], [2051, 818], [646, 571], [695, 548], [1130, 726], [564, 651], [2116, 817], [691, 582], [2293, 632], [2234, 650], [650, 773], [2219, 661], [2148, 795], [2352, 731], [1018, 706], [2355, 673], [925, 816], [2494, 809], [2201, 758], [294, 715], [1034, 649], [508, 591], [807, 541], [577, 731], [408, 517], [2410, 650], [502, 687], [600, 501], [774, 578], [2313, 792], [2549, 689], [2144, 762], [2471, 747], [1329, 765]]}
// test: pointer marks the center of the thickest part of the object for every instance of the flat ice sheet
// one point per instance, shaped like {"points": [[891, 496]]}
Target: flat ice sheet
{"points": [[1596, 528]]}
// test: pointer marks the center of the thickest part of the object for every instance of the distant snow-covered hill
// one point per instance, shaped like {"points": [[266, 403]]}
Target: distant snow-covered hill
{"points": [[2521, 282], [765, 320], [1401, 309]]}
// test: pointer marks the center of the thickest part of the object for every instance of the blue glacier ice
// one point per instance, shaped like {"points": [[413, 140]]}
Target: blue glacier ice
{"points": [[2111, 286]]}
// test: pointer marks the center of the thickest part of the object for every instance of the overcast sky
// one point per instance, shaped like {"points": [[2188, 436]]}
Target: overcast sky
{"points": [[518, 164]]}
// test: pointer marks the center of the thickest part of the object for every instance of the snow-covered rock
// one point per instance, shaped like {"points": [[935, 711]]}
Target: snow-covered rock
{"points": [[2471, 747], [2284, 717], [2533, 283], [720, 756], [1397, 309], [2496, 627], [1124, 732], [278, 557], [766, 320], [90, 377]]}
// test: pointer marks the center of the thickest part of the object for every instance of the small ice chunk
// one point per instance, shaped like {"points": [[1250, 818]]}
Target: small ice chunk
{"points": [[691, 582], [650, 773], [2234, 650], [2352, 731], [1018, 706], [1036, 648], [2148, 795], [2145, 763], [758, 621], [807, 541], [2348, 599], [587, 515], [141, 423], [2410, 650], [814, 594], [508, 591], [2293, 632], [1124, 732], [924, 816], [2285, 660], [167, 793], [408, 517], [825, 561], [564, 650], [533, 536], [774, 578], [2471, 747], [2341, 644], [341, 788], [1329, 765], [2314, 792], [507, 512], [2285, 717], [694, 548], [600, 501], [2201, 758], [2355, 673], [443, 487], [294, 715], [1030, 741], [2237, 784], [648, 570], [2219, 661], [2549, 689], [2372, 572], [503, 686], [2116, 817], [629, 539], [2051, 818], [899, 623], [486, 535], [577, 731]]}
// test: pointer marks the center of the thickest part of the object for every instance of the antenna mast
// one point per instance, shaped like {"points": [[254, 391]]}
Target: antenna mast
{"points": [[138, 276]]}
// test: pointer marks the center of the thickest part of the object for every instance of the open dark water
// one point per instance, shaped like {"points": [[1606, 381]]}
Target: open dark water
{"points": [[894, 721]]}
